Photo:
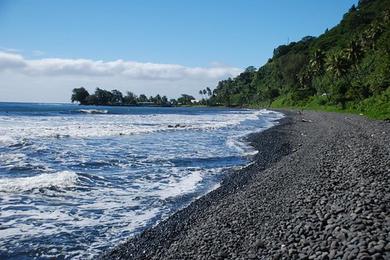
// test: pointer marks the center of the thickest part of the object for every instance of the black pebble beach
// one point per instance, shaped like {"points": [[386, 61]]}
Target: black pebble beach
{"points": [[317, 189]]}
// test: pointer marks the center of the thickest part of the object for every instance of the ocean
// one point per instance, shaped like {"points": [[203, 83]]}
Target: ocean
{"points": [[78, 180]]}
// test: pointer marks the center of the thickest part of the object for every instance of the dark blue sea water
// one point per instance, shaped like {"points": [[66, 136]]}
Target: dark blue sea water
{"points": [[76, 180]]}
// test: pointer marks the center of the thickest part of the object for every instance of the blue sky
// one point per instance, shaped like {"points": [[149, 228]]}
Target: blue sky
{"points": [[222, 35]]}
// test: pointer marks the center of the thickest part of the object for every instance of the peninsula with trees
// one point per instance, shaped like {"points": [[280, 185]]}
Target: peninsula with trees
{"points": [[115, 97]]}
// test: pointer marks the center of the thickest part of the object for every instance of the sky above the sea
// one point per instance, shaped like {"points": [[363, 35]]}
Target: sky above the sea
{"points": [[169, 47]]}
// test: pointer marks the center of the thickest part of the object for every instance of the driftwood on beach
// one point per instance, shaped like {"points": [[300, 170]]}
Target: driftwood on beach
{"points": [[318, 191]]}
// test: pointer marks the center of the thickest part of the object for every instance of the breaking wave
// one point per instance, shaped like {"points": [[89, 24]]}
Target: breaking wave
{"points": [[93, 111], [62, 179], [25, 127]]}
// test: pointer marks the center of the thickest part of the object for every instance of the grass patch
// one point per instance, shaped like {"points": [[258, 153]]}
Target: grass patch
{"points": [[376, 107]]}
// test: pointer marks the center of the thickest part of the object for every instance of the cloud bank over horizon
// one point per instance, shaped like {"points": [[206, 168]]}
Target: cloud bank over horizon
{"points": [[46, 79]]}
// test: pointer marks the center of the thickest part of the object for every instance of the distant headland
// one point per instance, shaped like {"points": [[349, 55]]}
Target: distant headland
{"points": [[115, 97]]}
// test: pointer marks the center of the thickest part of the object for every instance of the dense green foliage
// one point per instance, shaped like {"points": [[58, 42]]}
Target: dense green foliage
{"points": [[346, 68], [114, 97]]}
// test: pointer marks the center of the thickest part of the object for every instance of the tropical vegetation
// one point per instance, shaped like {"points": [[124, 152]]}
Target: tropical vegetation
{"points": [[345, 69]]}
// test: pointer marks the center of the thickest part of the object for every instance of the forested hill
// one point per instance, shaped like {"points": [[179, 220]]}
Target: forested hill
{"points": [[345, 68]]}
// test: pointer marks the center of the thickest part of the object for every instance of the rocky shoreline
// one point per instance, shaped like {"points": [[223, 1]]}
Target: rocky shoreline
{"points": [[318, 189]]}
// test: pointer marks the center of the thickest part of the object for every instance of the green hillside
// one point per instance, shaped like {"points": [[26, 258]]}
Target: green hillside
{"points": [[346, 68]]}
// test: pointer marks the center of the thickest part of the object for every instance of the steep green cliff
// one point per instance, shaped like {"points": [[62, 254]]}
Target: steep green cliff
{"points": [[346, 68]]}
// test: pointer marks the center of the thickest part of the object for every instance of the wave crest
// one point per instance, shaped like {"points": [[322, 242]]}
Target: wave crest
{"points": [[7, 141], [61, 179], [93, 111]]}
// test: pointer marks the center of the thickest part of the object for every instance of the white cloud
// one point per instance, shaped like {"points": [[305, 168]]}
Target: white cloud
{"points": [[11, 61], [52, 80], [90, 68]]}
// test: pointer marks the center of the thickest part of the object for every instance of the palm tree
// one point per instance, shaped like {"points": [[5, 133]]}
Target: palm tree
{"points": [[201, 93], [337, 64], [354, 52], [317, 62], [305, 79], [386, 16], [370, 35], [209, 93]]}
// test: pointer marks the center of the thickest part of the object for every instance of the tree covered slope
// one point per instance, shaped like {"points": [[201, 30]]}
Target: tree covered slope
{"points": [[346, 68]]}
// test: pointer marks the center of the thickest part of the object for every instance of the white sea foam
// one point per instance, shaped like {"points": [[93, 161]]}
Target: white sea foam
{"points": [[61, 179], [93, 111], [25, 127], [9, 158], [240, 145], [238, 142], [7, 140], [180, 186]]}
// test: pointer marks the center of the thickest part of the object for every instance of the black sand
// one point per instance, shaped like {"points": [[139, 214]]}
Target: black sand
{"points": [[318, 189]]}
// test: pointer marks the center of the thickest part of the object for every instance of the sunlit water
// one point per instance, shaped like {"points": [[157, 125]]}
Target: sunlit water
{"points": [[75, 181]]}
